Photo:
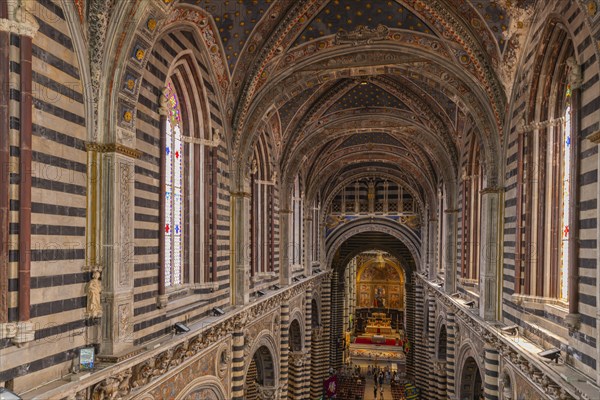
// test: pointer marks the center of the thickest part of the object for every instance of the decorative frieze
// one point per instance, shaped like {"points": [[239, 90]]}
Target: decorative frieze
{"points": [[545, 379], [134, 375]]}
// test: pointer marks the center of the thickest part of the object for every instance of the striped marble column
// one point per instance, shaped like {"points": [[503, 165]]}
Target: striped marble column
{"points": [[237, 366], [491, 365], [431, 350], [439, 377], [450, 355], [321, 338], [337, 293], [409, 325], [305, 394], [420, 344], [285, 348]]}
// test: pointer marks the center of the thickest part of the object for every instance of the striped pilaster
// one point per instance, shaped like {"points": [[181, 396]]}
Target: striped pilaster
{"points": [[337, 334], [237, 366], [346, 298], [451, 354], [420, 345], [306, 370], [431, 350], [285, 348], [410, 325], [439, 370], [320, 344], [491, 365]]}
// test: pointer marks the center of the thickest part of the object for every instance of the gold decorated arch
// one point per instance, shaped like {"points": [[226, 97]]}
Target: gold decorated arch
{"points": [[380, 284]]}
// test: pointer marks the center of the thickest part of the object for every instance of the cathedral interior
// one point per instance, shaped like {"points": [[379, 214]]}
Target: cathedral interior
{"points": [[269, 199]]}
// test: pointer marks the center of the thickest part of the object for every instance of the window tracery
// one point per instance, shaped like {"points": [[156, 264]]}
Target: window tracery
{"points": [[174, 195]]}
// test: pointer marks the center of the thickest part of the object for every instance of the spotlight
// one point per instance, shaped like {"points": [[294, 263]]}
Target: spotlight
{"points": [[457, 295], [295, 279], [276, 287], [510, 330], [317, 270], [217, 312], [302, 276], [6, 394], [470, 303], [260, 293], [551, 354], [180, 327]]}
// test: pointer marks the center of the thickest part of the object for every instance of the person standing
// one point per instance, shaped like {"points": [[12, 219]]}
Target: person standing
{"points": [[375, 390]]}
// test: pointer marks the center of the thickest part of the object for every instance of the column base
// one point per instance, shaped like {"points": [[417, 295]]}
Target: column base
{"points": [[162, 301]]}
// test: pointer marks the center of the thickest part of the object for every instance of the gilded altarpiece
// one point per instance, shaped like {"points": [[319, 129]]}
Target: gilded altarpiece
{"points": [[380, 284]]}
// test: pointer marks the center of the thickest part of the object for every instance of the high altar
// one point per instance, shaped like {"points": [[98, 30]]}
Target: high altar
{"points": [[379, 324]]}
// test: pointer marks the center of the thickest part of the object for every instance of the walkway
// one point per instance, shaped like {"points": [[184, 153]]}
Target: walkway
{"points": [[387, 390]]}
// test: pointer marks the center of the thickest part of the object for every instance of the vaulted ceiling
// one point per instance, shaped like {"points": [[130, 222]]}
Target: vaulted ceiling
{"points": [[353, 87], [370, 85]]}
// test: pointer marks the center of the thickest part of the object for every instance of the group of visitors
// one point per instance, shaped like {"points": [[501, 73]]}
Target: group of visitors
{"points": [[350, 370], [381, 376]]}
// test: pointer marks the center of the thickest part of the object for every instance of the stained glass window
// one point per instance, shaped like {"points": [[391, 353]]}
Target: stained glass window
{"points": [[173, 191], [566, 198]]}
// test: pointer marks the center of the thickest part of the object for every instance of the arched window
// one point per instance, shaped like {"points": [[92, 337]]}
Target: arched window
{"points": [[566, 197], [471, 215], [546, 166], [174, 194], [262, 218], [296, 224]]}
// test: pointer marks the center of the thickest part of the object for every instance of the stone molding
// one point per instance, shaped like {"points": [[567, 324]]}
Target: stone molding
{"points": [[541, 376], [113, 148], [594, 137], [19, 28], [526, 128], [130, 377]]}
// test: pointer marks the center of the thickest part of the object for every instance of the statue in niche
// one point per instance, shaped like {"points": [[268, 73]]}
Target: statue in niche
{"points": [[575, 74], [94, 289]]}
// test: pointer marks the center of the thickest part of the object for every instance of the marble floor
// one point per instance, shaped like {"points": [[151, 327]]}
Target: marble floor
{"points": [[387, 391]]}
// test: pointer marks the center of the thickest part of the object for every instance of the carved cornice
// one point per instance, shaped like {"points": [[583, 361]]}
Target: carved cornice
{"points": [[113, 148], [594, 137], [544, 378], [20, 28], [540, 125], [491, 190], [247, 195]]}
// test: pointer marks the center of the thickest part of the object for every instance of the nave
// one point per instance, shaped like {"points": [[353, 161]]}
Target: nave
{"points": [[237, 199]]}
